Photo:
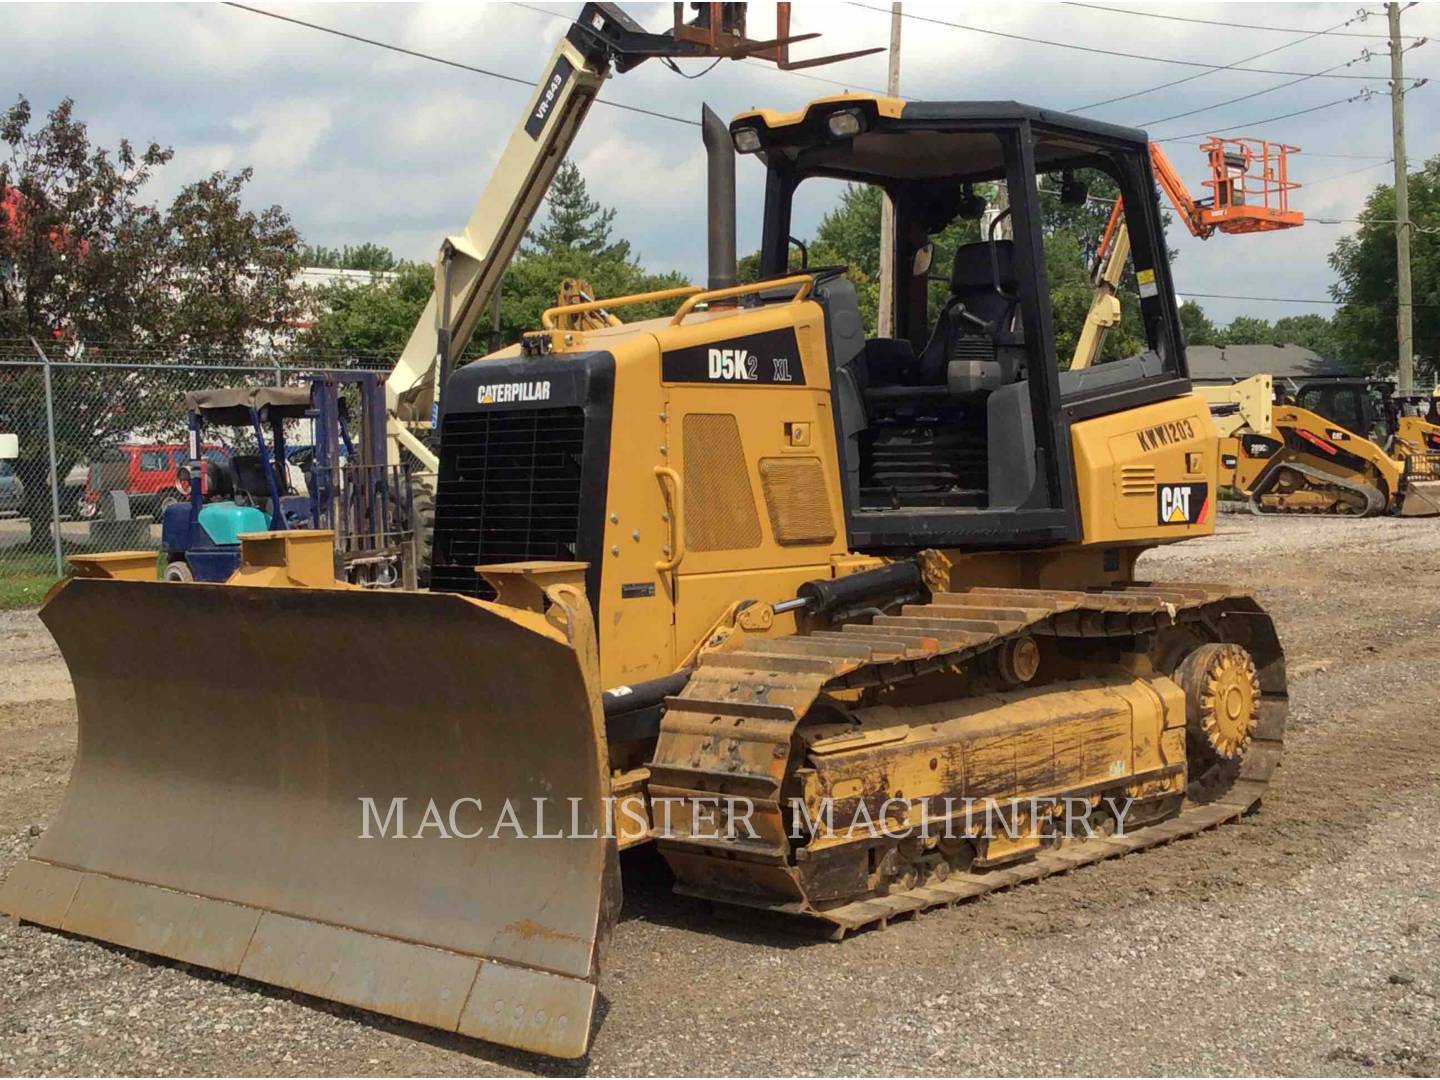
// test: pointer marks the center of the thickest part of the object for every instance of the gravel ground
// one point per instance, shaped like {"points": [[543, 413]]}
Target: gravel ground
{"points": [[1301, 941]]}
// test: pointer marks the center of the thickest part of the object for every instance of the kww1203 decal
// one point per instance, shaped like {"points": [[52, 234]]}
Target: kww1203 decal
{"points": [[1166, 434], [1182, 504], [771, 358]]}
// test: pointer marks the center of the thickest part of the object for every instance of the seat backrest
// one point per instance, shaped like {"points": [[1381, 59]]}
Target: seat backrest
{"points": [[972, 285], [972, 281], [250, 475]]}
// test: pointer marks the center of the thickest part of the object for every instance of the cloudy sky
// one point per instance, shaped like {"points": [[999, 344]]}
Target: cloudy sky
{"points": [[363, 144]]}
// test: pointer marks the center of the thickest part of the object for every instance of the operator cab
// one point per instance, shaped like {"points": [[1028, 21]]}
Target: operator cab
{"points": [[956, 427], [1360, 405]]}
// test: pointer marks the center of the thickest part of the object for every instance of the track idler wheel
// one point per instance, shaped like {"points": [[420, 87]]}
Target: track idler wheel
{"points": [[1222, 695]]}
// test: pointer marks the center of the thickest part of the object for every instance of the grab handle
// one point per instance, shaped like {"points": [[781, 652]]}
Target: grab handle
{"points": [[676, 550]]}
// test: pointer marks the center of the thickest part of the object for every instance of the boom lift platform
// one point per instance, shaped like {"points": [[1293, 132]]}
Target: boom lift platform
{"points": [[1249, 187]]}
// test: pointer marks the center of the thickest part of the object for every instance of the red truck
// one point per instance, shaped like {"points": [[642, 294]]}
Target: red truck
{"points": [[149, 473]]}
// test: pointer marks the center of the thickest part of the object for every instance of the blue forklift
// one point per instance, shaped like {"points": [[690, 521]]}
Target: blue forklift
{"points": [[349, 487]]}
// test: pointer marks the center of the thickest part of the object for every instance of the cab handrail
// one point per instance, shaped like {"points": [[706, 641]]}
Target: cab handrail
{"points": [[803, 284], [547, 317]]}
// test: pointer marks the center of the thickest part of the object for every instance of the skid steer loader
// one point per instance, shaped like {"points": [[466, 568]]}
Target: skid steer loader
{"points": [[848, 627], [1338, 446]]}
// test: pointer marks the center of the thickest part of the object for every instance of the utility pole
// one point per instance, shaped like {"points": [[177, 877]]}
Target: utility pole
{"points": [[1405, 324], [885, 319]]}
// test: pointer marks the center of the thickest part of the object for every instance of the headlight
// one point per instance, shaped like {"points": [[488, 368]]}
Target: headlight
{"points": [[747, 140], [846, 124]]}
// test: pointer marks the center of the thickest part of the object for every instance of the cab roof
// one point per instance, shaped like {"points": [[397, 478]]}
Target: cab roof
{"points": [[232, 404], [921, 139]]}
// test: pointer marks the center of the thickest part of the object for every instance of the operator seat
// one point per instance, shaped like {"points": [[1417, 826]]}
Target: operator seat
{"points": [[966, 356], [249, 477]]}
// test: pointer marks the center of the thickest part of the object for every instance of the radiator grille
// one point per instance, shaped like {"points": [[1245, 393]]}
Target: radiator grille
{"points": [[509, 490], [796, 499], [719, 506]]}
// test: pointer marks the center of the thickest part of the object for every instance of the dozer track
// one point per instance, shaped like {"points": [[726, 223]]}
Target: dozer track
{"points": [[730, 734]]}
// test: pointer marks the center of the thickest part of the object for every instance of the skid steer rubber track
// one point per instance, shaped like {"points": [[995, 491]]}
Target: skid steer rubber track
{"points": [[1320, 482], [739, 713], [227, 738]]}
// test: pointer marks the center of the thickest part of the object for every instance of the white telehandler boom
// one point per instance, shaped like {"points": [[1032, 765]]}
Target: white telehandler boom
{"points": [[471, 263]]}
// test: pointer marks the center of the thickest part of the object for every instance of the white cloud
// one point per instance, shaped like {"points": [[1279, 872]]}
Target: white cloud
{"points": [[282, 137], [362, 144]]}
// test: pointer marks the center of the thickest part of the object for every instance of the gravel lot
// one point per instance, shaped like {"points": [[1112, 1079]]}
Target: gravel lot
{"points": [[1302, 941]]}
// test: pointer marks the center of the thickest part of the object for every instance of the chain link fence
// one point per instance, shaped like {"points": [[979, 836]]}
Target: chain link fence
{"points": [[101, 421]]}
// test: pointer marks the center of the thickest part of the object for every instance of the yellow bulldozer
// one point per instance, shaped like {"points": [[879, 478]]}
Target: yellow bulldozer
{"points": [[847, 627]]}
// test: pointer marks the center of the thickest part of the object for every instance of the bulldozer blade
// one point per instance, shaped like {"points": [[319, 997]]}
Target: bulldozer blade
{"points": [[228, 739]]}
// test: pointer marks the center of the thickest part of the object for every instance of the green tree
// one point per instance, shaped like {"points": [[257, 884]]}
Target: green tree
{"points": [[1199, 330], [532, 284], [1365, 323], [849, 235], [372, 319], [1248, 330], [367, 256], [78, 248], [1314, 332], [231, 270], [574, 241], [575, 223], [88, 262], [89, 268]]}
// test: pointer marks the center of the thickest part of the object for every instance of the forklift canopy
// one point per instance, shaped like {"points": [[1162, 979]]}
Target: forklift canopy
{"points": [[232, 404]]}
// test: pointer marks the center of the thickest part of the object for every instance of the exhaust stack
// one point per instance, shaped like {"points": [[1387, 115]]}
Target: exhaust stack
{"points": [[720, 195]]}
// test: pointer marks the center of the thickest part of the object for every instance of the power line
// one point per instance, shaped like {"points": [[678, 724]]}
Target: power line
{"points": [[1227, 25], [682, 120], [1242, 97], [448, 63], [1092, 48], [1428, 230], [1348, 172], [1233, 66], [1186, 294], [1363, 95]]}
